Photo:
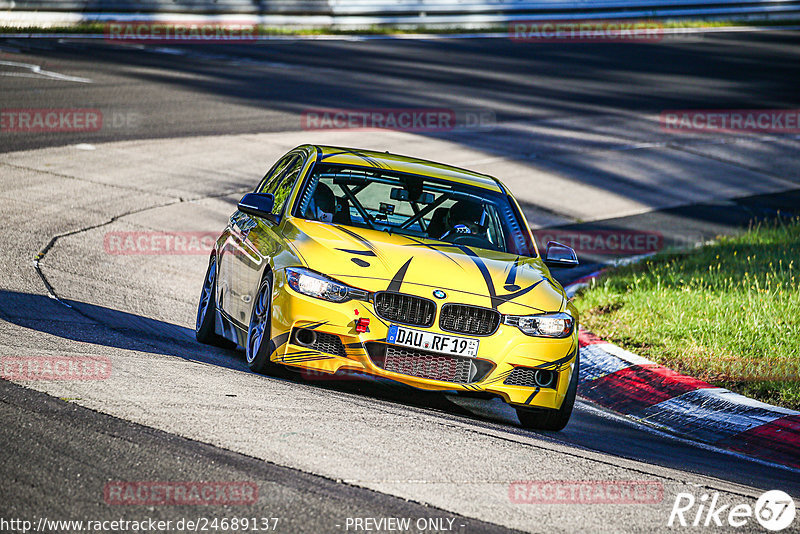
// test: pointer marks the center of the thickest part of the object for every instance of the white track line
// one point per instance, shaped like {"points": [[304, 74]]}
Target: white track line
{"points": [[38, 72], [640, 425]]}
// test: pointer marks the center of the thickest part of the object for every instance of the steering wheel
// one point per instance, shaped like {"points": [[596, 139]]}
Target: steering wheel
{"points": [[472, 240], [460, 230]]}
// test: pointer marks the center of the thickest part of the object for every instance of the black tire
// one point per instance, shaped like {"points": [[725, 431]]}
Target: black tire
{"points": [[259, 343], [205, 324], [539, 419]]}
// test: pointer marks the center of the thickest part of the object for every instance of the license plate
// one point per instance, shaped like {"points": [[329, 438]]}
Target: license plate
{"points": [[431, 341]]}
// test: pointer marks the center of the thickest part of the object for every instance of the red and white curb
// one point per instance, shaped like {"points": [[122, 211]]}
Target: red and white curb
{"points": [[638, 388]]}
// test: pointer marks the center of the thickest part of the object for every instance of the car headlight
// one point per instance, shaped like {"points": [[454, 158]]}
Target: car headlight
{"points": [[319, 286], [544, 325]]}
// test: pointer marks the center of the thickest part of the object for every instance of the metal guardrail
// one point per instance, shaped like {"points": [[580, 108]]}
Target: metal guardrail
{"points": [[376, 12]]}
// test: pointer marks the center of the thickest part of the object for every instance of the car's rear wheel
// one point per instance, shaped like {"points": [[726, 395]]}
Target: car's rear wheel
{"points": [[205, 325], [259, 332], [539, 419]]}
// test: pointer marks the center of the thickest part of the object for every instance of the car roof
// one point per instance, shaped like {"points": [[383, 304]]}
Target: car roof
{"points": [[406, 164]]}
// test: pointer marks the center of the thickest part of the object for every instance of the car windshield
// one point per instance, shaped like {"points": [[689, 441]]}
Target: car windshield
{"points": [[414, 205]]}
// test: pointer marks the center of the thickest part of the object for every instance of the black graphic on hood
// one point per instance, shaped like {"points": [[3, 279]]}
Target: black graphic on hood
{"points": [[397, 279], [373, 250], [495, 299], [359, 238], [357, 252], [432, 247], [512, 276]]}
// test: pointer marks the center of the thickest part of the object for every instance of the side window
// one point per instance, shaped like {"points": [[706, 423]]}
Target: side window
{"points": [[274, 174], [282, 187]]}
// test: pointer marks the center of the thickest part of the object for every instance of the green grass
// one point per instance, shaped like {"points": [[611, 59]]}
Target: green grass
{"points": [[100, 28], [728, 313]]}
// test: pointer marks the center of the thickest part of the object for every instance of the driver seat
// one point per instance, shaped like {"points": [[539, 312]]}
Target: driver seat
{"points": [[438, 225], [323, 204]]}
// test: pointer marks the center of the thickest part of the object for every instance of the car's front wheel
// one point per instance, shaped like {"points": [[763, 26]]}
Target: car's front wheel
{"points": [[259, 344], [204, 330], [540, 419]]}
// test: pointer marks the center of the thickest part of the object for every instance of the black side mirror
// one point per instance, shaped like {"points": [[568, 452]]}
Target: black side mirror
{"points": [[259, 205], [558, 255]]}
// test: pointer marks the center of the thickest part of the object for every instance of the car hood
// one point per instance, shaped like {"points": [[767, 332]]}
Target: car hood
{"points": [[379, 261]]}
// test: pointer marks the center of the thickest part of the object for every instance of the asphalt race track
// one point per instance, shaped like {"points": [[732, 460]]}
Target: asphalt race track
{"points": [[573, 129]]}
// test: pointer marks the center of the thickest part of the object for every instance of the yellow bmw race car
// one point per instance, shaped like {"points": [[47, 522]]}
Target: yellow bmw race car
{"points": [[410, 270]]}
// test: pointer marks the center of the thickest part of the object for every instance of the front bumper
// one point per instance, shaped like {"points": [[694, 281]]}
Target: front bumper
{"points": [[502, 352]]}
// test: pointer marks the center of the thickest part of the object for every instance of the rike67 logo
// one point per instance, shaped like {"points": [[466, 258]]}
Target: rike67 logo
{"points": [[774, 510]]}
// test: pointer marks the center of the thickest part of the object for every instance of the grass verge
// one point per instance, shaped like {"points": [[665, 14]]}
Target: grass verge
{"points": [[99, 28], [728, 313], [408, 29]]}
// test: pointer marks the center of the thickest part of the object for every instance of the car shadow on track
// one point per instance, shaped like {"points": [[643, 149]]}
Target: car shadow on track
{"points": [[89, 323], [99, 325], [105, 327]]}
